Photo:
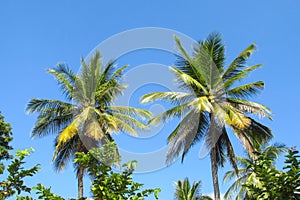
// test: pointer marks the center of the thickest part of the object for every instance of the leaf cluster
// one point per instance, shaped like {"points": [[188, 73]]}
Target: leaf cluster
{"points": [[274, 183], [108, 184]]}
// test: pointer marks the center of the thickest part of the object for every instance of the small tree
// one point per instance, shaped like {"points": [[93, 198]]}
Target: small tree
{"points": [[276, 184], [107, 184], [5, 138]]}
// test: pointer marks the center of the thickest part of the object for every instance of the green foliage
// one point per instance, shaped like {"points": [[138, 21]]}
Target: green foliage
{"points": [[213, 103], [108, 184], [88, 116], [237, 190], [14, 182], [276, 184], [45, 193], [5, 138]]}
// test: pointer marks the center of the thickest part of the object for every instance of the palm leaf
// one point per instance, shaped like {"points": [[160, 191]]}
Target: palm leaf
{"points": [[239, 76], [247, 90], [172, 97], [238, 63], [130, 111], [250, 107]]}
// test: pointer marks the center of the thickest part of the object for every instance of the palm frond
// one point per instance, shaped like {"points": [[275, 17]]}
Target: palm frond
{"points": [[69, 132], [230, 151], [239, 76], [250, 107], [233, 117], [40, 105], [214, 47], [114, 124], [66, 79], [130, 111], [245, 140], [131, 121], [190, 62], [258, 133], [247, 90], [238, 63], [190, 130], [64, 153], [53, 116], [172, 97], [236, 186], [51, 122], [176, 111], [186, 81]]}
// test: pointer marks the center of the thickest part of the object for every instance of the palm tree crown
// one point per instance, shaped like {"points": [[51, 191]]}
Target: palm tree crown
{"points": [[88, 117], [185, 191], [212, 102]]}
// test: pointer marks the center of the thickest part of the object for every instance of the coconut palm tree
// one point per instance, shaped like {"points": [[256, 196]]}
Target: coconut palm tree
{"points": [[87, 117], [184, 191], [246, 173], [213, 102]]}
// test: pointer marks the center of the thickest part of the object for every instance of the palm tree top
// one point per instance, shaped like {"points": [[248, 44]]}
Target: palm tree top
{"points": [[89, 108]]}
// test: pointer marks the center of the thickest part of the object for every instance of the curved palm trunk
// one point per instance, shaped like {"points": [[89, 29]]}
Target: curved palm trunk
{"points": [[214, 170], [80, 182]]}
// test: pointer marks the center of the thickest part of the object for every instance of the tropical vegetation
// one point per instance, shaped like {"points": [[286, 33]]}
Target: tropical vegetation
{"points": [[185, 191], [246, 173], [274, 183], [87, 119], [212, 103], [213, 100]]}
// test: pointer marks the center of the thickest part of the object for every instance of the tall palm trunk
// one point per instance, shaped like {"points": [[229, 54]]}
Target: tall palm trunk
{"points": [[80, 181], [214, 170]]}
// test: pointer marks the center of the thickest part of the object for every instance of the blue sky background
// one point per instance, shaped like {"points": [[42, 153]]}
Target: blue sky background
{"points": [[36, 35]]}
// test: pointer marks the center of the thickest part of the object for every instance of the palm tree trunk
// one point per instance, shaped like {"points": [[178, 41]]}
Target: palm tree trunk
{"points": [[80, 182], [214, 170]]}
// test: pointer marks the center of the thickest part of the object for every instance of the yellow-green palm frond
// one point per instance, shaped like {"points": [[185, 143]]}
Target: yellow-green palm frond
{"points": [[130, 111], [250, 107], [201, 104], [235, 118], [188, 82], [131, 121], [115, 125], [172, 97], [69, 132]]}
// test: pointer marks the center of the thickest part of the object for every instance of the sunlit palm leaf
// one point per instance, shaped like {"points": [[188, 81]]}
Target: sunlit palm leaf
{"points": [[172, 97], [247, 90], [250, 107], [130, 111]]}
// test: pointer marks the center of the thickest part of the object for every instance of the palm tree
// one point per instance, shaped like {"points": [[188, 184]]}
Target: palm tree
{"points": [[184, 191], [88, 117], [213, 103], [246, 173]]}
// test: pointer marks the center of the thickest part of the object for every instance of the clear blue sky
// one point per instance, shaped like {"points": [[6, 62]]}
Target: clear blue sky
{"points": [[36, 35]]}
